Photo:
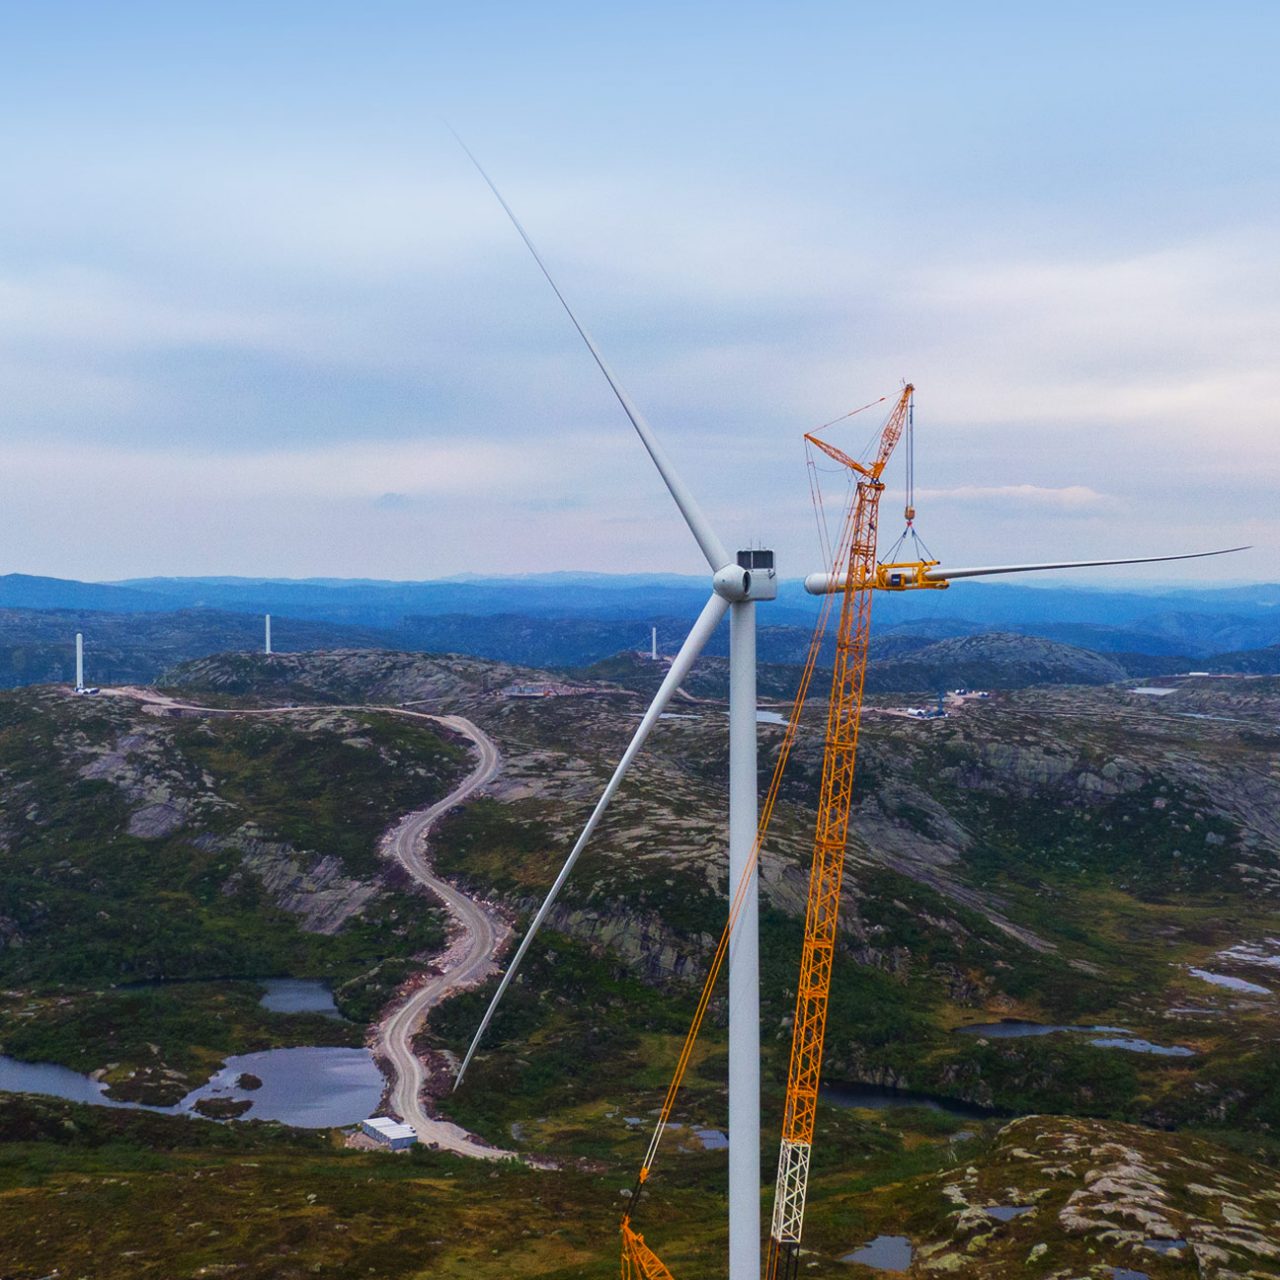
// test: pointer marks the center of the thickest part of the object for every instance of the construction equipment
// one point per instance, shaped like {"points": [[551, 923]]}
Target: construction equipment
{"points": [[853, 575], [856, 551], [737, 583], [844, 713]]}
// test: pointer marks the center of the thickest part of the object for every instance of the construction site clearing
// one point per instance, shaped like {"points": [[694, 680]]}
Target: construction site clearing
{"points": [[941, 709]]}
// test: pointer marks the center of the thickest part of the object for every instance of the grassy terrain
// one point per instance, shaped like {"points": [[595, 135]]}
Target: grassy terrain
{"points": [[190, 852], [161, 1041], [1060, 855]]}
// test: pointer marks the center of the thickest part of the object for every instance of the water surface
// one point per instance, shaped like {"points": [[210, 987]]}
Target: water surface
{"points": [[885, 1253], [1014, 1029], [1135, 1044], [879, 1097], [298, 995], [1232, 984], [313, 1088], [1114, 1037]]}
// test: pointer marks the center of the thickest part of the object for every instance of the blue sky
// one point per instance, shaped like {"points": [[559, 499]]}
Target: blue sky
{"points": [[258, 316]]}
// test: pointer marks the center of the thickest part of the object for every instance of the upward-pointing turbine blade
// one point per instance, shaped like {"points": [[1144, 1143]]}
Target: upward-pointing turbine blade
{"points": [[713, 611], [820, 584], [706, 537]]}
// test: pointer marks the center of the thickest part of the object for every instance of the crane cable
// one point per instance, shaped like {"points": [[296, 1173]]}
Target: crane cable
{"points": [[815, 484], [909, 511], [630, 1238]]}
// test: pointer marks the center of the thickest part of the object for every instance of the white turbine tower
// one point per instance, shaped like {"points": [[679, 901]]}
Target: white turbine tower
{"points": [[79, 662], [267, 644], [737, 582]]}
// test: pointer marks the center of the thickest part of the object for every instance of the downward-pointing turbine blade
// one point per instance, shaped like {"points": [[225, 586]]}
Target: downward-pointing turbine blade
{"points": [[702, 531], [819, 584], [713, 611]]}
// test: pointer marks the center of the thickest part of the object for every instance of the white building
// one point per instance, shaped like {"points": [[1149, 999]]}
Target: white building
{"points": [[391, 1133]]}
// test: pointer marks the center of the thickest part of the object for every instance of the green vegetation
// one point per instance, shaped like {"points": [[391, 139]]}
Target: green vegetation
{"points": [[1000, 867], [260, 823], [162, 1040]]}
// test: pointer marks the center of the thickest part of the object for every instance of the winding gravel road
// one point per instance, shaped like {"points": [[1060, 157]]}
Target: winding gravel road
{"points": [[468, 961], [470, 955]]}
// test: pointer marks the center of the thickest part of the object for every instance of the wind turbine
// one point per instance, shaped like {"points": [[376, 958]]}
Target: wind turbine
{"points": [[737, 583]]}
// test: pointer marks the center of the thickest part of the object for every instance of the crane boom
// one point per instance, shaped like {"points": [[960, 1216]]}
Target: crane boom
{"points": [[834, 804]]}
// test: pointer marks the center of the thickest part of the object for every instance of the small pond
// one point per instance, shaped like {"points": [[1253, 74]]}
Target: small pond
{"points": [[884, 1253], [1015, 1029], [1104, 1037], [313, 1088], [298, 995], [1135, 1044], [1006, 1212], [1232, 984], [879, 1097], [770, 717]]}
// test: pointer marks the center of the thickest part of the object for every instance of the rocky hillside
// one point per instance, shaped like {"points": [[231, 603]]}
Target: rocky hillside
{"points": [[1064, 853], [202, 851], [1060, 1198], [1093, 859], [349, 676], [995, 660]]}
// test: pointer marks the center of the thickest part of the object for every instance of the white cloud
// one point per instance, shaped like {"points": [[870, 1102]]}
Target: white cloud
{"points": [[366, 471], [1073, 498]]}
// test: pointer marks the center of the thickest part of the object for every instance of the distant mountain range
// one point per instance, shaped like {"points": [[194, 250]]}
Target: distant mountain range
{"points": [[136, 629], [1192, 621]]}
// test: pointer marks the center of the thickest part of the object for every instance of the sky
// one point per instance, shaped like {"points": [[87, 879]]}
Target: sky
{"points": [[259, 316]]}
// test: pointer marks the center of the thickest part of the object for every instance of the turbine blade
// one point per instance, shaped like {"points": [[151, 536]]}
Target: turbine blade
{"points": [[698, 524], [713, 611], [821, 584], [945, 575]]}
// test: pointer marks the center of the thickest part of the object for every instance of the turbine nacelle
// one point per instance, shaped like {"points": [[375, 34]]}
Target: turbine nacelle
{"points": [[753, 577]]}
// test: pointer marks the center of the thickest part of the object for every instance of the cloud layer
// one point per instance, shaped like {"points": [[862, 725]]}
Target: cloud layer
{"points": [[258, 316]]}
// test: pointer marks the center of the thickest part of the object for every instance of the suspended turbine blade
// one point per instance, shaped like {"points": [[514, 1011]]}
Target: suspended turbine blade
{"points": [[713, 611], [701, 529], [820, 584]]}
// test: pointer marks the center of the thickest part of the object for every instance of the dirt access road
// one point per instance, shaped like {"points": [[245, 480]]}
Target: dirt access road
{"points": [[477, 934]]}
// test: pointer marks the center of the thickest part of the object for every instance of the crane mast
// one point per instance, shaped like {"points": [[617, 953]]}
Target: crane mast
{"points": [[834, 804]]}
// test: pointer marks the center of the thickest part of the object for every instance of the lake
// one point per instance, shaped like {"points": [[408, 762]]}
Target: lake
{"points": [[313, 1088]]}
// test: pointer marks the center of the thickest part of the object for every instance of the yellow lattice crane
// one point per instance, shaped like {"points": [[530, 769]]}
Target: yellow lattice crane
{"points": [[855, 564], [862, 576]]}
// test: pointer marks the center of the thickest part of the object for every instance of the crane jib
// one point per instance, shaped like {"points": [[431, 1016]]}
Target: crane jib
{"points": [[827, 870]]}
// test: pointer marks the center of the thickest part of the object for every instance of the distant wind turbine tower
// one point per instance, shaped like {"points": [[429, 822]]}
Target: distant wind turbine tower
{"points": [[653, 652], [79, 662], [267, 647]]}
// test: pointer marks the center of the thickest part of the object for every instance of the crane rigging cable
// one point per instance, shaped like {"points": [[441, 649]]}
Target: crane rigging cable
{"points": [[856, 546], [835, 801]]}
